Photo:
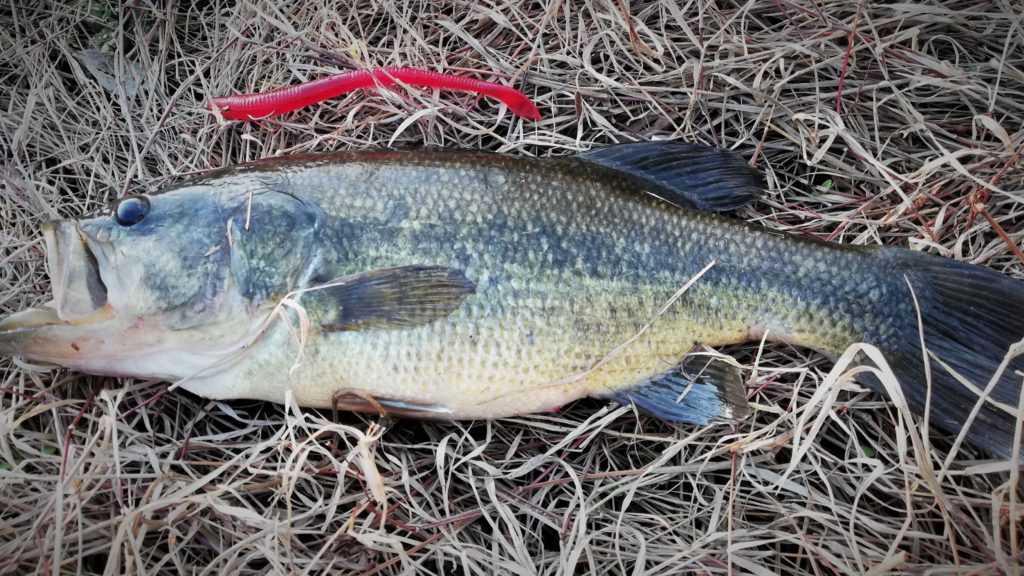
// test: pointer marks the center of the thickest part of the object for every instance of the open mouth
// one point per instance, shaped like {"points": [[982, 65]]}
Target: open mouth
{"points": [[79, 293], [78, 288]]}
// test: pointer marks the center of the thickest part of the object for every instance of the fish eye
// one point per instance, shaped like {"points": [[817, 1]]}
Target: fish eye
{"points": [[131, 210]]}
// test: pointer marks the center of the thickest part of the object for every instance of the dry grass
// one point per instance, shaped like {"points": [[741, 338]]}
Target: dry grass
{"points": [[873, 123]]}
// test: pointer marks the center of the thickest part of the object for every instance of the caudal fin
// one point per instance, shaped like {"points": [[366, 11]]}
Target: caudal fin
{"points": [[971, 316]]}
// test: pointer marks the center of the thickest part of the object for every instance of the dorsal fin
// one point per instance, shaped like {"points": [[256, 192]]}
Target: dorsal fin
{"points": [[686, 173]]}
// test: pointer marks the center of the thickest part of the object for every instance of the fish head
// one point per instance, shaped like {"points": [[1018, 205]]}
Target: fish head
{"points": [[162, 286], [160, 257]]}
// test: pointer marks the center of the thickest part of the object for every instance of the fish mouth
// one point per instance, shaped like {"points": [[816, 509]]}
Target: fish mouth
{"points": [[79, 292]]}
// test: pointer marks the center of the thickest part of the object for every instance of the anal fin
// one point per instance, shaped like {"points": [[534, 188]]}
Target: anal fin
{"points": [[702, 389]]}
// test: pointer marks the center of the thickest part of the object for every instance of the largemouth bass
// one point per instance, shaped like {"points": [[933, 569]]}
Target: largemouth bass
{"points": [[471, 285]]}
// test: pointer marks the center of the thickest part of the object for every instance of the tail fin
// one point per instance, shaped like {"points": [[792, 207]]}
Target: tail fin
{"points": [[970, 318]]}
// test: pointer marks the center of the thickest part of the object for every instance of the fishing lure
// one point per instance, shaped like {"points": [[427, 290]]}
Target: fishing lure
{"points": [[286, 99]]}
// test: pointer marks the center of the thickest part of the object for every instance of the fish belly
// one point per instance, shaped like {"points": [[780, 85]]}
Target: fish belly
{"points": [[485, 364]]}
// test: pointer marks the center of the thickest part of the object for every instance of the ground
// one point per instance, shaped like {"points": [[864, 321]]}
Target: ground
{"points": [[874, 123]]}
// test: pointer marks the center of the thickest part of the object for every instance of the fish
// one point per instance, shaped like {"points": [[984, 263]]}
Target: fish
{"points": [[453, 284]]}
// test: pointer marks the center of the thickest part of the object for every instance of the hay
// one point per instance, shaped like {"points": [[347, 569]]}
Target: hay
{"points": [[873, 123]]}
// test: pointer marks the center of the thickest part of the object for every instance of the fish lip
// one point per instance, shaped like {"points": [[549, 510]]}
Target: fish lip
{"points": [[24, 322], [30, 319], [53, 260]]}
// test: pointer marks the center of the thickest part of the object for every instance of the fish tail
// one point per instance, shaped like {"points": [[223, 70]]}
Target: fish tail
{"points": [[970, 318]]}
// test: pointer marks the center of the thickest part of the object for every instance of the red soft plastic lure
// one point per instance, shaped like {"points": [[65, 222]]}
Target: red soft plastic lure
{"points": [[282, 100]]}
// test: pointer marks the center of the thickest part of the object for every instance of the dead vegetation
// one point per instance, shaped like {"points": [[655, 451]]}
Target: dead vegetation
{"points": [[874, 123]]}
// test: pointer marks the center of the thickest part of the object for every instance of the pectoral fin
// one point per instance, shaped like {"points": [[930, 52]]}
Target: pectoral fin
{"points": [[389, 298], [701, 390]]}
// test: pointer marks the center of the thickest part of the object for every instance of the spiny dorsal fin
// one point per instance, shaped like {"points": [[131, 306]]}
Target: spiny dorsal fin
{"points": [[686, 173], [701, 390], [388, 298]]}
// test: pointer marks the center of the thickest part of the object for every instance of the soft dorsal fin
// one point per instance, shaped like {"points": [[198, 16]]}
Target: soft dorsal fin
{"points": [[686, 173], [388, 298], [700, 390]]}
